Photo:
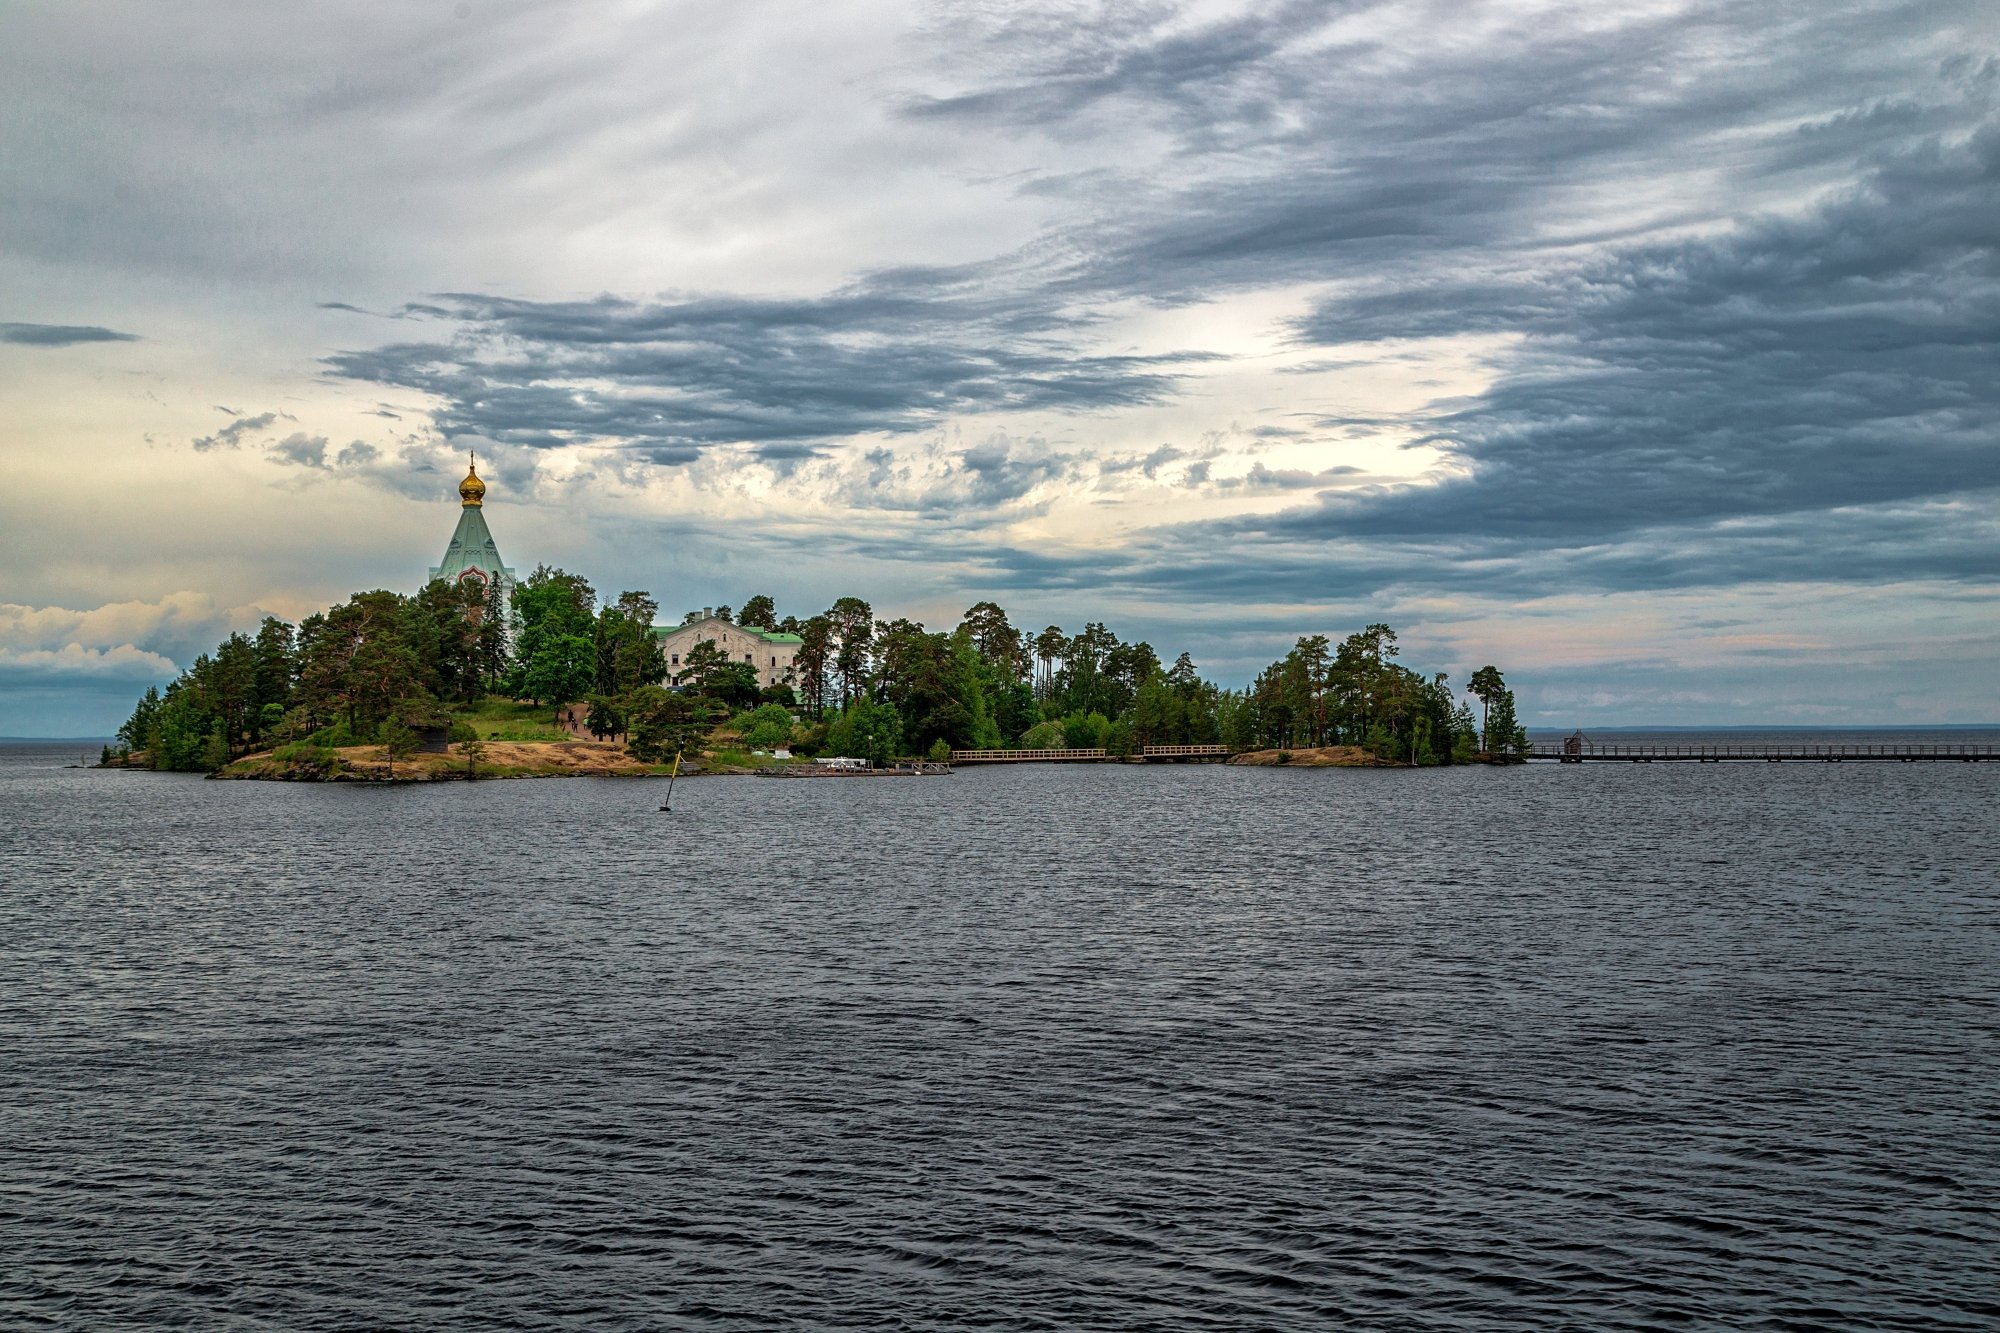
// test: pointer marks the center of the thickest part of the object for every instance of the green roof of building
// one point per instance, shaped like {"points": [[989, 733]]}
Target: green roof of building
{"points": [[767, 635]]}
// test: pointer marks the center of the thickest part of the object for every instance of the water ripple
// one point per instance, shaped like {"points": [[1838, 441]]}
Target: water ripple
{"points": [[1199, 1048]]}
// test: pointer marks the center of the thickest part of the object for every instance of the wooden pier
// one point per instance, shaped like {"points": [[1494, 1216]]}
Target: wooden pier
{"points": [[1570, 751], [1151, 754]]}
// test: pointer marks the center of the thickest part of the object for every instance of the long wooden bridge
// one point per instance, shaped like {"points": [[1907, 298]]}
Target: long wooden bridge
{"points": [[1572, 751], [1151, 754]]}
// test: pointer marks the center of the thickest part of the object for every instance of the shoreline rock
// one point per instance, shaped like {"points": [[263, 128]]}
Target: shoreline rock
{"points": [[1322, 756], [502, 760]]}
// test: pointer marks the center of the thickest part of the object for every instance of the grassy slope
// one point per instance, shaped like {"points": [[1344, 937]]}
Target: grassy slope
{"points": [[507, 720]]}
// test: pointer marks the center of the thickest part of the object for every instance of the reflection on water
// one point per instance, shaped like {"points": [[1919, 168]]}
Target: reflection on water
{"points": [[1600, 1047]]}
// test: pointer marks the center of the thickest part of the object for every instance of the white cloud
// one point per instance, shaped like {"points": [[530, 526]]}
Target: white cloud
{"points": [[117, 636], [73, 660]]}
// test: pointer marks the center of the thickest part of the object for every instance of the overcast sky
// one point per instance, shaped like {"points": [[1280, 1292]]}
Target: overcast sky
{"points": [[1644, 349]]}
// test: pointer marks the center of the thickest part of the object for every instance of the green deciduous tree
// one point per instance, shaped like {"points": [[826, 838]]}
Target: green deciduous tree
{"points": [[866, 730], [560, 671]]}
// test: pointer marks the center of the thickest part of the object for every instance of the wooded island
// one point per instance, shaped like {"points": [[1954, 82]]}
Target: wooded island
{"points": [[498, 676]]}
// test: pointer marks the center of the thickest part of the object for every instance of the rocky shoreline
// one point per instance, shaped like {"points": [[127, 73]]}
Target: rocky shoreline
{"points": [[501, 759], [1324, 756]]}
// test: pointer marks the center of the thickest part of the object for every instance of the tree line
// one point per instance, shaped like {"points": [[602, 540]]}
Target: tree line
{"points": [[988, 684], [382, 664]]}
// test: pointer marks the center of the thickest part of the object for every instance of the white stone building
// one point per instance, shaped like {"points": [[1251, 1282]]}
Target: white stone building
{"points": [[771, 653]]}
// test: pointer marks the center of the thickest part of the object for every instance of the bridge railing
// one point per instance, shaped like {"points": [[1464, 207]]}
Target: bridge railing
{"points": [[1181, 751]]}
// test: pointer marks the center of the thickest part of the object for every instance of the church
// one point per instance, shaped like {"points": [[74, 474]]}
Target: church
{"points": [[472, 557]]}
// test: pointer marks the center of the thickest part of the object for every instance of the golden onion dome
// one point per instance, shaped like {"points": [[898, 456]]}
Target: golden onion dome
{"points": [[472, 490]]}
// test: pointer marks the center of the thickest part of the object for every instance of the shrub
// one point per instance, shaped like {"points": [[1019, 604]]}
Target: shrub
{"points": [[1085, 731], [1043, 736], [765, 728], [337, 734], [940, 752], [866, 730], [399, 740]]}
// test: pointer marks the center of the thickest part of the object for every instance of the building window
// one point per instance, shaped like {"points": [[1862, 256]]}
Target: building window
{"points": [[748, 658], [677, 659]]}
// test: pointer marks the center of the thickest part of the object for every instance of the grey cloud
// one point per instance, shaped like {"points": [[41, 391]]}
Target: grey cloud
{"points": [[61, 335], [1304, 155], [231, 435], [1209, 561], [893, 355], [1057, 64], [1775, 390], [1262, 480], [999, 475], [1816, 362], [300, 450]]}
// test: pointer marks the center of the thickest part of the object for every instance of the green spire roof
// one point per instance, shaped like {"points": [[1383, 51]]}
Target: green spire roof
{"points": [[472, 548]]}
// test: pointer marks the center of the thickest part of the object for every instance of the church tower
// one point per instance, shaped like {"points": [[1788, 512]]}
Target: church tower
{"points": [[472, 556]]}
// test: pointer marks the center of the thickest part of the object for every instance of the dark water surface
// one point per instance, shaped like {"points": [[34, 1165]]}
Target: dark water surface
{"points": [[1551, 1047]]}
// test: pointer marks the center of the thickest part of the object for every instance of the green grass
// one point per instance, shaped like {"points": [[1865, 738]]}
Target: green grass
{"points": [[507, 720], [502, 732]]}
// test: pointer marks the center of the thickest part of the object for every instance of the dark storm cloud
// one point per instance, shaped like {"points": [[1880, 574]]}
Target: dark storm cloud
{"points": [[1688, 413], [1307, 151], [1698, 379], [893, 355], [1811, 363], [61, 335], [1954, 540]]}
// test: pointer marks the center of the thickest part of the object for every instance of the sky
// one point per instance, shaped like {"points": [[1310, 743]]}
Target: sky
{"points": [[1645, 350]]}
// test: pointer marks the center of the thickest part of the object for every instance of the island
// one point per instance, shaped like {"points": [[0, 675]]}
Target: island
{"points": [[481, 674]]}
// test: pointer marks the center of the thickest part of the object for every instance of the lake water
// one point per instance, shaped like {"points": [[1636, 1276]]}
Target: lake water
{"points": [[1604, 1047]]}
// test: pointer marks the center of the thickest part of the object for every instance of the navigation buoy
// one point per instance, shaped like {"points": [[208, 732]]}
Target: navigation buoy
{"points": [[668, 804]]}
